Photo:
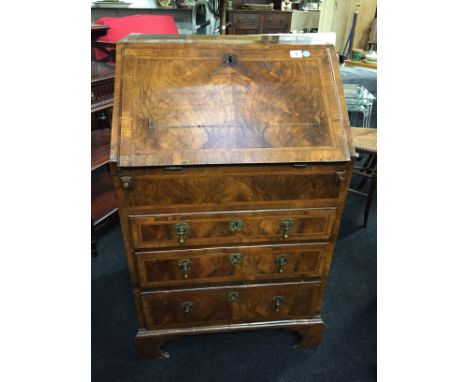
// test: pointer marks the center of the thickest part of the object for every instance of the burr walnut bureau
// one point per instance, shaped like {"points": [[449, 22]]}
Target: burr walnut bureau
{"points": [[231, 158]]}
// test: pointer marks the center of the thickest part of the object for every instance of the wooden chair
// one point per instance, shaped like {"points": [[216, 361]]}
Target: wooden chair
{"points": [[365, 142]]}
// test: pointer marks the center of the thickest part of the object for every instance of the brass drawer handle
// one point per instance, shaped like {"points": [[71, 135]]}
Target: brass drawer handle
{"points": [[233, 296], [286, 225], [181, 230], [236, 225], [280, 262], [277, 301], [187, 306], [185, 266], [235, 258], [93, 95]]}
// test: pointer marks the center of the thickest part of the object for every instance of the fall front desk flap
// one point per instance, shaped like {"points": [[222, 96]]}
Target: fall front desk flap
{"points": [[187, 100]]}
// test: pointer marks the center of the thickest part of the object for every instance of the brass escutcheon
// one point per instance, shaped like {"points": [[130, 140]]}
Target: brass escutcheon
{"points": [[235, 258], [187, 306], [181, 230], [236, 225], [286, 225], [185, 266], [277, 301], [233, 296], [280, 262]]}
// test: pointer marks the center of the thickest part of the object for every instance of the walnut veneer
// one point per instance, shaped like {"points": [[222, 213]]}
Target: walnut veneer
{"points": [[231, 158]]}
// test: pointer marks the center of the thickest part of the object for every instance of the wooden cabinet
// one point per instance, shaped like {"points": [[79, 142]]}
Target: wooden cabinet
{"points": [[231, 158], [256, 22]]}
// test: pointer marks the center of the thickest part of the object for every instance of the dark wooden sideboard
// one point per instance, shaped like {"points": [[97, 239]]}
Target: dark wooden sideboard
{"points": [[258, 22]]}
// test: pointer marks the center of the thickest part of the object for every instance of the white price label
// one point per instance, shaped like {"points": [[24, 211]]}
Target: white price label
{"points": [[295, 53]]}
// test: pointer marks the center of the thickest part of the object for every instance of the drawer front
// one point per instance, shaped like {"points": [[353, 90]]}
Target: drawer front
{"points": [[246, 20], [233, 304], [232, 228], [250, 187], [276, 21], [196, 266]]}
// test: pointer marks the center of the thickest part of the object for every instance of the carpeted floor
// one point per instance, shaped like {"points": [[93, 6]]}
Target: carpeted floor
{"points": [[347, 352]]}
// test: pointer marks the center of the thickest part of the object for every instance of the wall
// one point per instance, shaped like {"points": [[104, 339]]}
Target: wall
{"points": [[337, 16]]}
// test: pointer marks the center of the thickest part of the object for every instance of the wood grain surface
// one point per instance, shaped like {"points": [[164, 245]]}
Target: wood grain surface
{"points": [[163, 309], [214, 229], [214, 265], [200, 188], [235, 103]]}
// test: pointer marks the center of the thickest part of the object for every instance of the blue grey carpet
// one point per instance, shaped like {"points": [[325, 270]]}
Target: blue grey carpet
{"points": [[347, 352]]}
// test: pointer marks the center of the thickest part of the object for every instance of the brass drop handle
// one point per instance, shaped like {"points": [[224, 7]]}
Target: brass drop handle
{"points": [[187, 306], [286, 225], [233, 296], [181, 230], [235, 258], [236, 225], [185, 266], [280, 262], [277, 301]]}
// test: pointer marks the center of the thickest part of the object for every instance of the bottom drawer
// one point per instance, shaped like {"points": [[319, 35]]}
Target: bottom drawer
{"points": [[230, 304]]}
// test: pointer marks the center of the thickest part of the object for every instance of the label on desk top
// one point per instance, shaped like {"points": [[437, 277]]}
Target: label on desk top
{"points": [[299, 53]]}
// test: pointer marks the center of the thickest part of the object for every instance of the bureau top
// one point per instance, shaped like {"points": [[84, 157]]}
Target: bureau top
{"points": [[191, 100]]}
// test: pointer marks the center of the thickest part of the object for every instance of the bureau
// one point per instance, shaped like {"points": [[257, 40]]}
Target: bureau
{"points": [[231, 158]]}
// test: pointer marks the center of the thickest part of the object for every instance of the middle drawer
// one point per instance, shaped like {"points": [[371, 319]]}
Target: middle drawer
{"points": [[240, 227], [229, 264]]}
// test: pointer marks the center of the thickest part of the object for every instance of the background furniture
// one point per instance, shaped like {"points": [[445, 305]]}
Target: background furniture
{"points": [[229, 216], [181, 16], [362, 64], [359, 100], [366, 78], [257, 22], [120, 27], [365, 141], [103, 202], [305, 20]]}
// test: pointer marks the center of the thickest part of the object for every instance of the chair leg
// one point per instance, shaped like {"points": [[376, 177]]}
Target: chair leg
{"points": [[370, 198], [93, 241], [369, 164]]}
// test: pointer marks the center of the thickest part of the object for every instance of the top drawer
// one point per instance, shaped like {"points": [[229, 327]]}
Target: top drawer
{"points": [[218, 188]]}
